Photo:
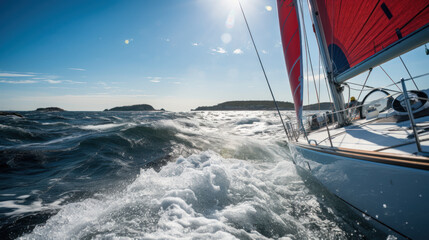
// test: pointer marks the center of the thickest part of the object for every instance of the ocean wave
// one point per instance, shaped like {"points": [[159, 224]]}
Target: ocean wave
{"points": [[158, 176], [247, 121], [101, 127], [18, 129], [55, 124], [202, 196], [20, 206]]}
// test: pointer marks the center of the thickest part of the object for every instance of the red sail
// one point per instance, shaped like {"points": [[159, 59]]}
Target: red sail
{"points": [[291, 40], [355, 30]]}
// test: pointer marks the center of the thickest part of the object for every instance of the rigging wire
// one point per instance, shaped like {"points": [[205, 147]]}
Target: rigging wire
{"points": [[327, 90], [408, 79], [319, 79], [367, 77], [352, 114], [408, 72], [263, 70], [307, 50], [307, 78], [325, 63], [390, 78]]}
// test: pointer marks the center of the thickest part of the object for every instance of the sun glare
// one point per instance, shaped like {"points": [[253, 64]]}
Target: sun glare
{"points": [[229, 4]]}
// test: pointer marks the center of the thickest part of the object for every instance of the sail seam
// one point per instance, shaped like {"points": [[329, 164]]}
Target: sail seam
{"points": [[365, 61], [363, 26], [290, 40], [414, 17], [284, 22], [296, 89], [293, 66]]}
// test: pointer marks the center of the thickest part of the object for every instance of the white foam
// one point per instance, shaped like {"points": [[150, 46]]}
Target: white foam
{"points": [[20, 207], [55, 123], [102, 126], [53, 142], [248, 120], [14, 128], [198, 197], [7, 195]]}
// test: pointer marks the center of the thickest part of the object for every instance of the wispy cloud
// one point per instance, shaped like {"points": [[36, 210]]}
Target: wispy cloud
{"points": [[15, 75], [162, 79], [264, 52], [77, 69], [238, 51], [73, 82], [51, 76], [18, 82], [219, 50], [37, 78], [52, 81], [166, 39], [320, 76], [195, 44], [155, 79]]}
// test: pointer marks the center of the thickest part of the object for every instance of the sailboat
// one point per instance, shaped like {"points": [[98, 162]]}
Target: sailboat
{"points": [[373, 155]]}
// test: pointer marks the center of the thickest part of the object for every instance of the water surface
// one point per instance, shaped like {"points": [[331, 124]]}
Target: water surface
{"points": [[161, 175]]}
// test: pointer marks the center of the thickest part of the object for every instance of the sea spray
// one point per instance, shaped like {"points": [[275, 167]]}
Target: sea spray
{"points": [[200, 196], [160, 175]]}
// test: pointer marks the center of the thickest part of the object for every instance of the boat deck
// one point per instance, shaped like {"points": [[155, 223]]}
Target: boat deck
{"points": [[374, 135]]}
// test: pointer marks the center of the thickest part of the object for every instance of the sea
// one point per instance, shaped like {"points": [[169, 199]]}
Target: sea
{"points": [[162, 175]]}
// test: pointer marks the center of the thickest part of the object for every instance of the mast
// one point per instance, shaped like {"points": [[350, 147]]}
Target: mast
{"points": [[336, 89]]}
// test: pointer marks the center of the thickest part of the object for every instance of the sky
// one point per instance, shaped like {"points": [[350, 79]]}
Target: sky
{"points": [[176, 55]]}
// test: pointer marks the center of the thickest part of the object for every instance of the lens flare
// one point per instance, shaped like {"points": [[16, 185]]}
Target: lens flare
{"points": [[268, 8], [226, 38], [230, 21]]}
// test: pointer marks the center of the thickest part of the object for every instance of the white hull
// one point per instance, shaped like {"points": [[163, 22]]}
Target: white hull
{"points": [[395, 194]]}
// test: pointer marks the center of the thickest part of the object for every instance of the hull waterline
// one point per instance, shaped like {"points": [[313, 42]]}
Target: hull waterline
{"points": [[395, 194]]}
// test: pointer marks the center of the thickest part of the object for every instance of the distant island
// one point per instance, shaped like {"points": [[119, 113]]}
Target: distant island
{"points": [[11, 114], [138, 107], [50, 109], [323, 106], [260, 106]]}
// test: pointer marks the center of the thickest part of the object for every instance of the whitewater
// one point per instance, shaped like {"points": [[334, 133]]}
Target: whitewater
{"points": [[161, 175]]}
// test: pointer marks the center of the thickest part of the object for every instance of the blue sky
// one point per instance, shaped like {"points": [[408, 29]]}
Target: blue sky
{"points": [[177, 55]]}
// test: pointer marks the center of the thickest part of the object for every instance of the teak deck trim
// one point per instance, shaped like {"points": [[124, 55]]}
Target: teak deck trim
{"points": [[418, 162]]}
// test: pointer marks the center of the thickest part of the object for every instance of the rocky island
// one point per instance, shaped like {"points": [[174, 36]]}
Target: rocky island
{"points": [[10, 114], [259, 106], [138, 107], [50, 109], [246, 106]]}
